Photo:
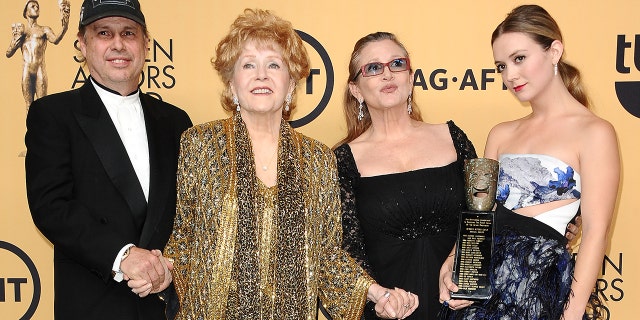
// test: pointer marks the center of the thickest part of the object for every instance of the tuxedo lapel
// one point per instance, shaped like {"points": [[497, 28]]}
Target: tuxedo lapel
{"points": [[93, 118], [161, 170]]}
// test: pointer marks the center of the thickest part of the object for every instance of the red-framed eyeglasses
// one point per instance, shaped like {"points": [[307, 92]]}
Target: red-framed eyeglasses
{"points": [[376, 68]]}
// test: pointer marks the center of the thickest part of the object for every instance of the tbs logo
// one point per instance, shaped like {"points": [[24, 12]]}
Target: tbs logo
{"points": [[628, 92]]}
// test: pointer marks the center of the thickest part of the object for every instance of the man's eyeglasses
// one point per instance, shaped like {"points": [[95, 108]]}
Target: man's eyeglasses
{"points": [[376, 68]]}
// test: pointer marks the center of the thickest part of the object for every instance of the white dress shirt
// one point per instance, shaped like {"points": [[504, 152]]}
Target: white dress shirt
{"points": [[126, 114], [128, 118]]}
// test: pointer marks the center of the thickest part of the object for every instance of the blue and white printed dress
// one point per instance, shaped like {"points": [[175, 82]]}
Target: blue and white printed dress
{"points": [[531, 271]]}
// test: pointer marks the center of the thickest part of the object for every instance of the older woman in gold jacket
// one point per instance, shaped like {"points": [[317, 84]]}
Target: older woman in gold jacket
{"points": [[257, 233]]}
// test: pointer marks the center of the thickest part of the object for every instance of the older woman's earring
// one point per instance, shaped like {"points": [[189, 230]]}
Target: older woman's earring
{"points": [[409, 109], [237, 103], [287, 101], [555, 69], [360, 112]]}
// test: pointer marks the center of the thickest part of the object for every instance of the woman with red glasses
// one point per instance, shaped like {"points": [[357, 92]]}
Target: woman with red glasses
{"points": [[401, 179]]}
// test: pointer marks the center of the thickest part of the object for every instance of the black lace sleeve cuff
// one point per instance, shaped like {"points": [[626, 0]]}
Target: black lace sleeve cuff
{"points": [[464, 146], [352, 236]]}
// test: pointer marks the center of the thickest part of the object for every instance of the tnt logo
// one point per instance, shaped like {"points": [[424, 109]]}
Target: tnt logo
{"points": [[628, 92], [19, 283], [319, 82]]}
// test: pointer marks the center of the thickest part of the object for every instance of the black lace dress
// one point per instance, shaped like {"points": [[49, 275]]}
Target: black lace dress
{"points": [[401, 227]]}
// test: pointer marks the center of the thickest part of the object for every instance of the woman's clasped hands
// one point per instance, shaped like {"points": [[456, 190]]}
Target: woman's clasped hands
{"points": [[393, 303]]}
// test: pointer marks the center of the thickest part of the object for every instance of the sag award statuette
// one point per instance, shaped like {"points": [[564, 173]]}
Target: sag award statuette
{"points": [[475, 231]]}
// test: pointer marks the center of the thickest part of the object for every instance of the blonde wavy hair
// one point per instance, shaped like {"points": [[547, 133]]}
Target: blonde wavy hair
{"points": [[267, 30]]}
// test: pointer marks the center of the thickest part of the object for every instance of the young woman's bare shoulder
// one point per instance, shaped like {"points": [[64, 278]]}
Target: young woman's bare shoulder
{"points": [[594, 128], [504, 128]]}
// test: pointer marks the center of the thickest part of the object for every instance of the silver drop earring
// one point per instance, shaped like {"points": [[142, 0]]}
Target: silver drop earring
{"points": [[287, 101], [555, 69], [409, 109], [360, 112], [237, 103]]}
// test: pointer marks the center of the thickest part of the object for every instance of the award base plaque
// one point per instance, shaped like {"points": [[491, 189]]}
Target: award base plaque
{"points": [[473, 255]]}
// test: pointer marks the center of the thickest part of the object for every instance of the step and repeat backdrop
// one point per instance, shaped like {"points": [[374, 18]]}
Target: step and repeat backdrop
{"points": [[449, 44]]}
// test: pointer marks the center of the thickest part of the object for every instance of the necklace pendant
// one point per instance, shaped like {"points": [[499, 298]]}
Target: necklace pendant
{"points": [[264, 168]]}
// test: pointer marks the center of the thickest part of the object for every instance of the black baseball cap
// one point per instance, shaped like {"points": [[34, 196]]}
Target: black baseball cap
{"points": [[93, 10]]}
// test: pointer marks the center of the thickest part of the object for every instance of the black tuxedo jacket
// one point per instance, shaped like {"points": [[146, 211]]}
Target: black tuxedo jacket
{"points": [[85, 197]]}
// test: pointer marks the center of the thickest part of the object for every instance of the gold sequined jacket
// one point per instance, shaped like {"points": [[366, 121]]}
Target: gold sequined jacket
{"points": [[245, 251]]}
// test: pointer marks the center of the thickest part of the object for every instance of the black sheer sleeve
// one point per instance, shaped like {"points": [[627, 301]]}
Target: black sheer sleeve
{"points": [[352, 236], [464, 146]]}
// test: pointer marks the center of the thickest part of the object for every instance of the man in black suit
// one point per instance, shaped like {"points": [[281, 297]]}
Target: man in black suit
{"points": [[100, 173]]}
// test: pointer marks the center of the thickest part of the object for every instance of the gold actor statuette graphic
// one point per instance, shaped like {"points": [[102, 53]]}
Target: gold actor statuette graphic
{"points": [[31, 38]]}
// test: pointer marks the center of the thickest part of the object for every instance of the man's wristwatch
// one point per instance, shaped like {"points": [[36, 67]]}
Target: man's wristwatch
{"points": [[118, 275], [125, 254]]}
